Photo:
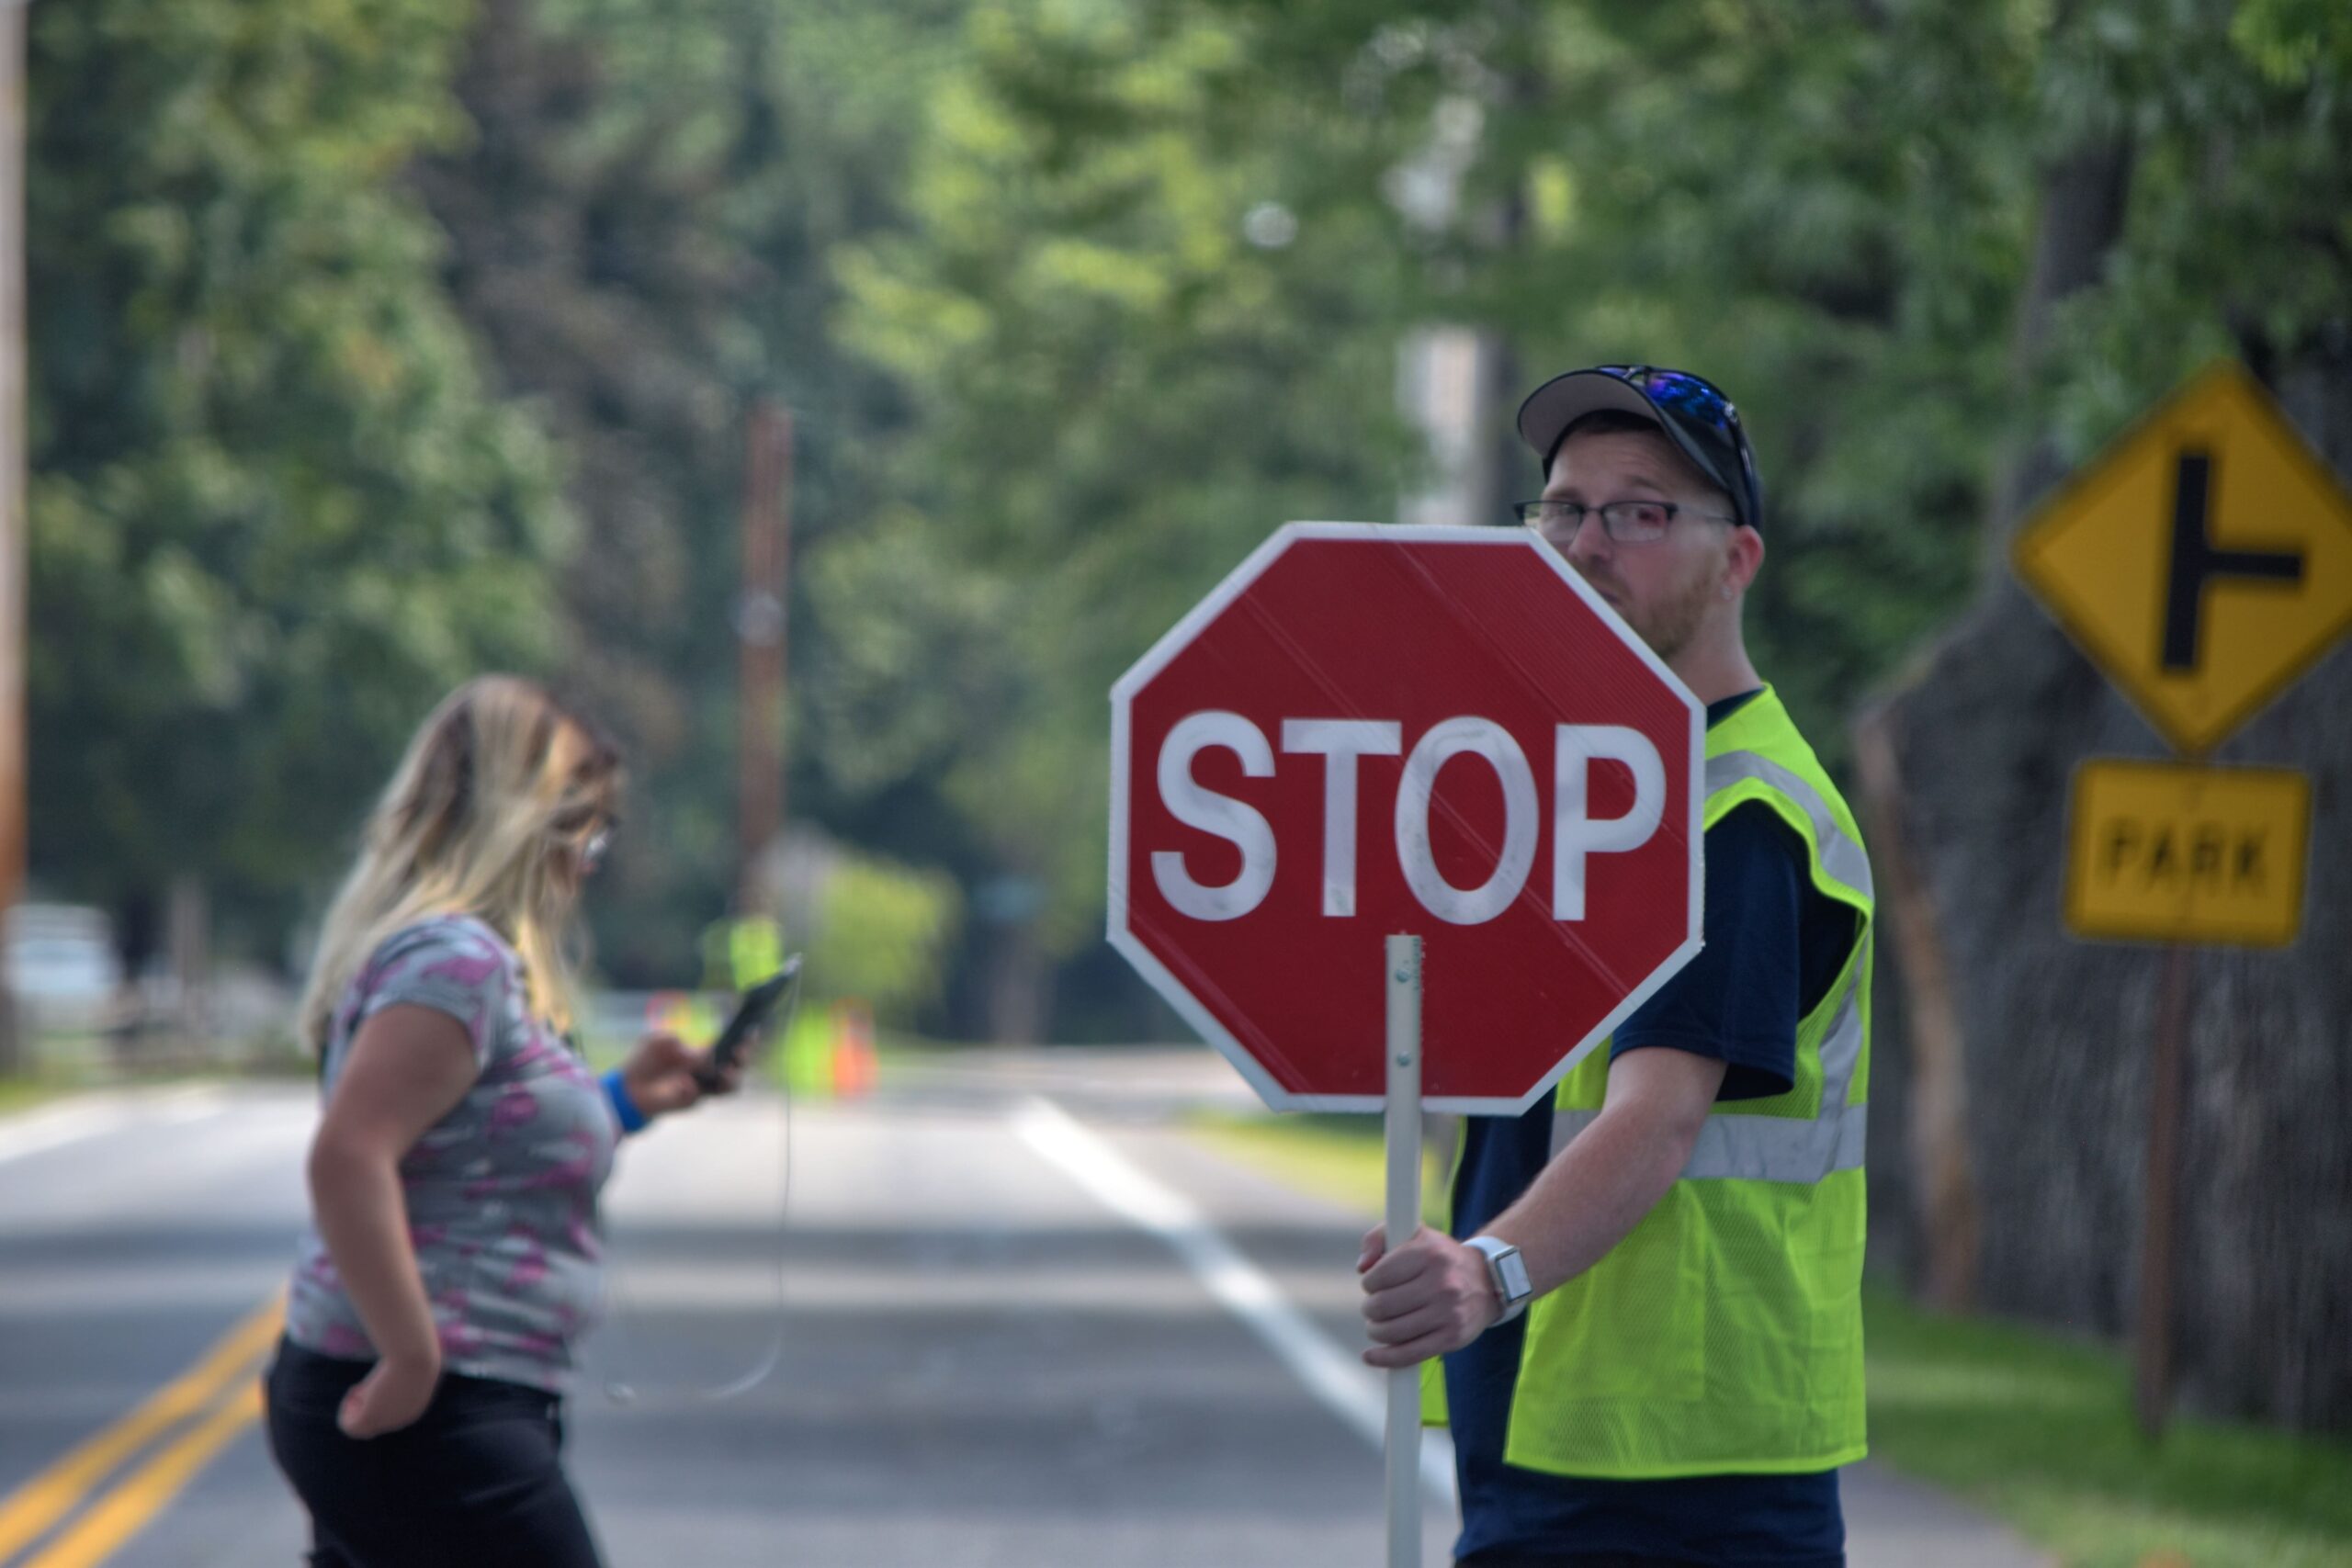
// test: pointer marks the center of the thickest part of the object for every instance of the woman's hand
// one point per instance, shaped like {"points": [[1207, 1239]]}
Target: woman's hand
{"points": [[392, 1395], [664, 1074]]}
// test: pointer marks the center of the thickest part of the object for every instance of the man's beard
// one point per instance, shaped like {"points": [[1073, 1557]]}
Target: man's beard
{"points": [[1668, 627]]}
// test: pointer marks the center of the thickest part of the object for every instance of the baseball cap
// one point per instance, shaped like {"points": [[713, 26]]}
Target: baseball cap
{"points": [[1691, 410]]}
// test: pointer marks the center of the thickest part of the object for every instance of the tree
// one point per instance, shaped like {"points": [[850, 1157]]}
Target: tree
{"points": [[640, 220], [2220, 225], [1940, 250], [1915, 239], [1130, 392], [273, 514], [1115, 394]]}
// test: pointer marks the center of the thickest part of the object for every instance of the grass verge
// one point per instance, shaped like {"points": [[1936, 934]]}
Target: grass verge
{"points": [[2033, 1427], [1333, 1157], [2037, 1429], [23, 1094]]}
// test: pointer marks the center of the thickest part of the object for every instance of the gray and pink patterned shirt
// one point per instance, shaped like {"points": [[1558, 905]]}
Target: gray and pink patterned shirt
{"points": [[502, 1192]]}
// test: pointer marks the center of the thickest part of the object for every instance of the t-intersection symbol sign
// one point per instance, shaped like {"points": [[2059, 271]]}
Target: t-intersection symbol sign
{"points": [[1369, 730], [2203, 561]]}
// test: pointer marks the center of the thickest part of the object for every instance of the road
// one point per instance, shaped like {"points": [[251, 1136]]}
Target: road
{"points": [[1011, 1314]]}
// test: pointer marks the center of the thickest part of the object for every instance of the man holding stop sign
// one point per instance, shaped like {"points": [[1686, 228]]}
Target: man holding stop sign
{"points": [[1649, 1305], [1448, 786]]}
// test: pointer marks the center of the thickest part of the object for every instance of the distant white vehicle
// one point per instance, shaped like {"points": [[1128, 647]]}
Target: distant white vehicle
{"points": [[62, 966]]}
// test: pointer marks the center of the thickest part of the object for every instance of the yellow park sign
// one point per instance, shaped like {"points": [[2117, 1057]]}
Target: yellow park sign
{"points": [[2203, 561], [2162, 852]]}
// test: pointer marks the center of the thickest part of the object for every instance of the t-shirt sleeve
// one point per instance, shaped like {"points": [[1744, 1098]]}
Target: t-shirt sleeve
{"points": [[1736, 1001], [446, 965]]}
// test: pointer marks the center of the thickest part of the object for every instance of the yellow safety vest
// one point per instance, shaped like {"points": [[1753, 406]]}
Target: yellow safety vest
{"points": [[1723, 1333]]}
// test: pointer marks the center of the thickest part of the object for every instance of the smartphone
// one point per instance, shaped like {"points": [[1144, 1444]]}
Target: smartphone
{"points": [[753, 1012]]}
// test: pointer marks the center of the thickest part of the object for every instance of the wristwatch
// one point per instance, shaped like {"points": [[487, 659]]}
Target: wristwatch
{"points": [[1506, 1271]]}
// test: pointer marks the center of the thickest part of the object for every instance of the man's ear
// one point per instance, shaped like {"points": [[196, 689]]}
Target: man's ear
{"points": [[1743, 558]]}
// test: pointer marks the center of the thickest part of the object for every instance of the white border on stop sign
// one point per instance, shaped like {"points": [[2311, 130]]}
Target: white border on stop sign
{"points": [[1182, 634]]}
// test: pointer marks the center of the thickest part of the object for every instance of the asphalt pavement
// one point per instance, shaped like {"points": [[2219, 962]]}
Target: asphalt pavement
{"points": [[1005, 1312]]}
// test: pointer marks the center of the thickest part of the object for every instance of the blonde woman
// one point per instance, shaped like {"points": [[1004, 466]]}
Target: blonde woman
{"points": [[415, 1402]]}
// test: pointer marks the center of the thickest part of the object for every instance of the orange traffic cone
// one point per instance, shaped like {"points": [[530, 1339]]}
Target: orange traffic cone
{"points": [[855, 1068]]}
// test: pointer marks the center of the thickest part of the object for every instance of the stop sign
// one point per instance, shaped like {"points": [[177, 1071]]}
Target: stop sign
{"points": [[1371, 729]]}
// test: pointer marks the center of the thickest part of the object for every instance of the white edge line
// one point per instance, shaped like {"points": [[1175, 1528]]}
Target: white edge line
{"points": [[193, 1102], [1340, 1383], [52, 1126], [106, 1110]]}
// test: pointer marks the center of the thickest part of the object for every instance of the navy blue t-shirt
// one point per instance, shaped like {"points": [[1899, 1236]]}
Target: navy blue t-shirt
{"points": [[1774, 946]]}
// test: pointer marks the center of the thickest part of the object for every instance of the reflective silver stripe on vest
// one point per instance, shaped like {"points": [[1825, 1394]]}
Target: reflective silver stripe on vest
{"points": [[1758, 1149], [1840, 855], [1776, 1148]]}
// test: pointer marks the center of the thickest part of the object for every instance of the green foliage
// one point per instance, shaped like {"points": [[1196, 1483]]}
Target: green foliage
{"points": [[273, 513], [2239, 230], [1830, 209], [1071, 303], [882, 936], [1115, 396], [1813, 206], [2291, 43], [638, 227]]}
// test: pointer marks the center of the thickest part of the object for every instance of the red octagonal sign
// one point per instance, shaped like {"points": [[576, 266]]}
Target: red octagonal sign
{"points": [[1368, 731]]}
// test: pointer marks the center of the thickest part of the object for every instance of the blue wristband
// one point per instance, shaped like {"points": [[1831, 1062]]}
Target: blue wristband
{"points": [[625, 1110]]}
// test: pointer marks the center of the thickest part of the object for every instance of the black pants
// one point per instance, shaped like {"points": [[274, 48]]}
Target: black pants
{"points": [[477, 1479]]}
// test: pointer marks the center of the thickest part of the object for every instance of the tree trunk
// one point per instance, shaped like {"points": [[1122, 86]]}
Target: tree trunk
{"points": [[14, 532], [14, 1057], [2082, 215], [1020, 986], [1933, 1126], [2055, 1033], [188, 935]]}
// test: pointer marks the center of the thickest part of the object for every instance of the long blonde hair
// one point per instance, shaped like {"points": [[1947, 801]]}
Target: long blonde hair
{"points": [[496, 786]]}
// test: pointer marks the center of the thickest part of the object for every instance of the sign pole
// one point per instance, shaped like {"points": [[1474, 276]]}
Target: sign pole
{"points": [[1403, 1114], [2154, 1347]]}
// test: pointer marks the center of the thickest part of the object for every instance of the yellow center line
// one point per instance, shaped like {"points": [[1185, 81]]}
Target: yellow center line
{"points": [[124, 1512], [57, 1491]]}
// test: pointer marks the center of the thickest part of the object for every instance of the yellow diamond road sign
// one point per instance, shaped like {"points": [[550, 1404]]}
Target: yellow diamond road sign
{"points": [[2203, 561], [2160, 852]]}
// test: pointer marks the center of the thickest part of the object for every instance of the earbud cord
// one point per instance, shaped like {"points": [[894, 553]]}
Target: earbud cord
{"points": [[617, 1389]]}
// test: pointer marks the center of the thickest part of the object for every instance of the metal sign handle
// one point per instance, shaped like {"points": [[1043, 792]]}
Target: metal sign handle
{"points": [[1403, 1115]]}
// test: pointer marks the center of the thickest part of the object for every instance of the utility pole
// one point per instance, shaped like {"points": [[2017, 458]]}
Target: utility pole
{"points": [[760, 641], [1452, 383], [12, 494]]}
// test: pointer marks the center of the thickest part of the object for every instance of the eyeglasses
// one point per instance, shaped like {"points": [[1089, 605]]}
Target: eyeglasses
{"points": [[1625, 522]]}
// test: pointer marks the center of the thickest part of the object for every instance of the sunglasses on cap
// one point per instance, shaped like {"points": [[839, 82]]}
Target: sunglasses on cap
{"points": [[1694, 412]]}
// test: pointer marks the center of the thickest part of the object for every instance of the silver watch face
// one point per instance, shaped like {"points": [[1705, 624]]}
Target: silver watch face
{"points": [[1506, 1270]]}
